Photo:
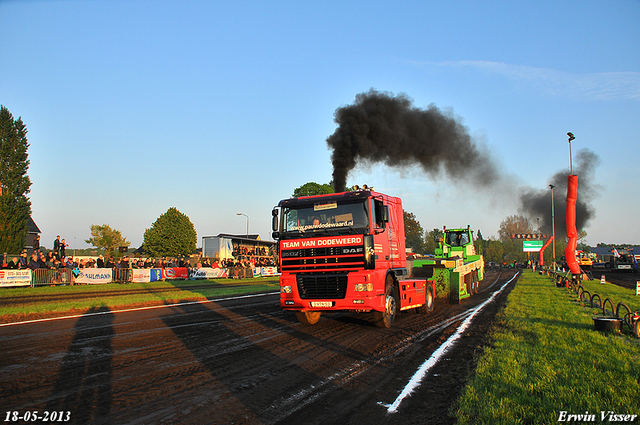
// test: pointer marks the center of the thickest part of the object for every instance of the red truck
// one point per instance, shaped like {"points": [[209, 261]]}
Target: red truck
{"points": [[346, 252]]}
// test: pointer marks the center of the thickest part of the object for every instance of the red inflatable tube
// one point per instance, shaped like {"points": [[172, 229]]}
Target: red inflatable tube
{"points": [[572, 232], [542, 250]]}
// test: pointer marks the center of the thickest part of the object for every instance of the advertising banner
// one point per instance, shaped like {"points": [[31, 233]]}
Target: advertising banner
{"points": [[208, 273], [532, 246], [156, 275], [141, 275], [15, 278], [95, 276], [323, 242], [176, 273], [269, 271]]}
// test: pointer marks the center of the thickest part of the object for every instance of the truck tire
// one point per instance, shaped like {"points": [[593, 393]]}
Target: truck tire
{"points": [[385, 319], [428, 305], [308, 317]]}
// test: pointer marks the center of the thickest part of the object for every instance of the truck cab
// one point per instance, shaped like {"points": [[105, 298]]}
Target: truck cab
{"points": [[343, 251]]}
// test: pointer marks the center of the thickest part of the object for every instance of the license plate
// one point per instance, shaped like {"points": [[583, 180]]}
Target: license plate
{"points": [[321, 304]]}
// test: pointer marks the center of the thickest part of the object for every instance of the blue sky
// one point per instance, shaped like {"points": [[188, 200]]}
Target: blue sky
{"points": [[219, 108]]}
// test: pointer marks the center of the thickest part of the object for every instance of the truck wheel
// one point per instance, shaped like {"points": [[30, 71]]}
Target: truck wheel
{"points": [[428, 305], [308, 317], [384, 319]]}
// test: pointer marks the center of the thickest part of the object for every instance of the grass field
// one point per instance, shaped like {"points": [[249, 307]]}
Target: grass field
{"points": [[19, 302], [546, 361]]}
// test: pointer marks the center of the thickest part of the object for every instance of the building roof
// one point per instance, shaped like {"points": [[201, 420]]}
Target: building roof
{"points": [[33, 227], [243, 238]]}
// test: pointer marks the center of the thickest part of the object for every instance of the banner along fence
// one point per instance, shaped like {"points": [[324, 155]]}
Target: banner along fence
{"points": [[42, 277]]}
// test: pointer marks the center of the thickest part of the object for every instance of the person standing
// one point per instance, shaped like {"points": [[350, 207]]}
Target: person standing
{"points": [[36, 243], [63, 249], [56, 246]]}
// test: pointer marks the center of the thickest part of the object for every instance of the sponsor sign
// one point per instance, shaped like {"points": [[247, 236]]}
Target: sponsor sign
{"points": [[15, 278], [265, 271], [532, 246], [323, 242], [269, 271], [155, 275], [176, 273], [95, 276], [208, 273], [141, 275]]}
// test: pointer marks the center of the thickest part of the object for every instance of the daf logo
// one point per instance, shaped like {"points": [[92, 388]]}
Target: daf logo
{"points": [[351, 250]]}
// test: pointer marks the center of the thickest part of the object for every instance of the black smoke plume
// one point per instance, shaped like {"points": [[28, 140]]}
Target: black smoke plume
{"points": [[380, 127], [536, 203]]}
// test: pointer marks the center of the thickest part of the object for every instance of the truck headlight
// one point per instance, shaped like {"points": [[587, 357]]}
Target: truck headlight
{"points": [[285, 289], [364, 287]]}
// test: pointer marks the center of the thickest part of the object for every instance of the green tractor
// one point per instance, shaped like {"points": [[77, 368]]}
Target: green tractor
{"points": [[456, 268]]}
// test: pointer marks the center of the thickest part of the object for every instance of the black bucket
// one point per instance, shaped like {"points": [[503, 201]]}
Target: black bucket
{"points": [[607, 324]]}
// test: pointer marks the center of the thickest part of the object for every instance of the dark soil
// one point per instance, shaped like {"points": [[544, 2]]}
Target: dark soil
{"points": [[242, 361]]}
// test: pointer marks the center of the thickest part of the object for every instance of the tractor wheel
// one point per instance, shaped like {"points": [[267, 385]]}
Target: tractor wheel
{"points": [[476, 282], [468, 280], [385, 319], [308, 317]]}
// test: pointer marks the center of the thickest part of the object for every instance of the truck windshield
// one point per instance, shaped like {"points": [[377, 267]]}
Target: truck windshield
{"points": [[325, 217]]}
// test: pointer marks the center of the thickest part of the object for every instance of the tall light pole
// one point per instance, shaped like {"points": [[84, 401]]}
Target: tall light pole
{"points": [[571, 137], [247, 223], [553, 226]]}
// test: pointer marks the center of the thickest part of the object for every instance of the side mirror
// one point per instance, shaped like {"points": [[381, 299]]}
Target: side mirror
{"points": [[274, 220], [385, 213]]}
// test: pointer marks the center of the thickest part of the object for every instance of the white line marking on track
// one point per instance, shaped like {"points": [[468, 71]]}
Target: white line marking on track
{"points": [[340, 378], [494, 282], [75, 316], [417, 377]]}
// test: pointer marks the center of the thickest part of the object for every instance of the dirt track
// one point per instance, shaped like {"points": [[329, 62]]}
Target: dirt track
{"points": [[624, 279], [240, 361]]}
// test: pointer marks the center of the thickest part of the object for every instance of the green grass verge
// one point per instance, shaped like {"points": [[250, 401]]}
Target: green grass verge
{"points": [[168, 291], [545, 358]]}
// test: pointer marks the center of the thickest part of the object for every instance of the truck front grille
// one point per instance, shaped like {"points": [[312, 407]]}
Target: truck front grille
{"points": [[322, 286]]}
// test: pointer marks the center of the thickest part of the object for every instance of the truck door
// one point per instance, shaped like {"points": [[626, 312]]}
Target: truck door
{"points": [[381, 234], [396, 234]]}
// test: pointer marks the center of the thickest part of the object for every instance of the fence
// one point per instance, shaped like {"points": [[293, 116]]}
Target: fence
{"points": [[41, 277], [622, 312], [46, 277]]}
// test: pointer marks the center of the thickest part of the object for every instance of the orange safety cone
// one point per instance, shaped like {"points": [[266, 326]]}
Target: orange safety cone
{"points": [[603, 280]]}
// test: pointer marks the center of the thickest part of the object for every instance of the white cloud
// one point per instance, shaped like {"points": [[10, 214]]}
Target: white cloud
{"points": [[602, 86]]}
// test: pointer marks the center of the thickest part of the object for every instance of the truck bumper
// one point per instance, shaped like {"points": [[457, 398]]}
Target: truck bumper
{"points": [[364, 292]]}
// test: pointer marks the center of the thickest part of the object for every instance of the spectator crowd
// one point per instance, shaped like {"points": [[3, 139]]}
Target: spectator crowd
{"points": [[243, 257]]}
